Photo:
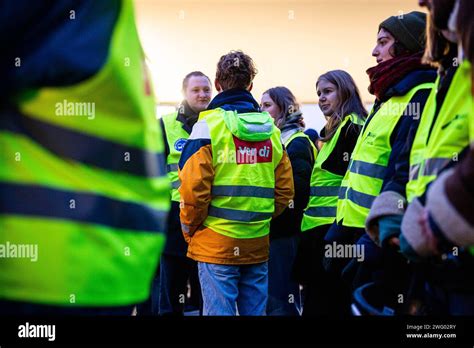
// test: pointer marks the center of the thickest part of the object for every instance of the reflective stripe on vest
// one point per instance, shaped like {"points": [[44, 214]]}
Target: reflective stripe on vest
{"points": [[432, 152], [325, 186], [82, 178], [242, 200], [243, 191], [364, 177], [176, 137]]}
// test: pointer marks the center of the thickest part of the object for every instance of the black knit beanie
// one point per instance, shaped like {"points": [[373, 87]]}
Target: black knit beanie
{"points": [[408, 29]]}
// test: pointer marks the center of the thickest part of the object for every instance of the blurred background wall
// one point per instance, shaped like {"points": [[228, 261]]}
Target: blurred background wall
{"points": [[291, 41]]}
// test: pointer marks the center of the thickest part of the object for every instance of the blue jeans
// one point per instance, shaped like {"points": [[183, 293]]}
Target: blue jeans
{"points": [[228, 288], [283, 291]]}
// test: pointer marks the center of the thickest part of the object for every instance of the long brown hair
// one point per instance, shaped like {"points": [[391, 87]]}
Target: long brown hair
{"points": [[439, 51], [465, 27], [286, 102], [349, 100]]}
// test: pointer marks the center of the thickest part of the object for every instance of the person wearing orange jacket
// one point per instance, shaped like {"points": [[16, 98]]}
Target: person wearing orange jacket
{"points": [[235, 176]]}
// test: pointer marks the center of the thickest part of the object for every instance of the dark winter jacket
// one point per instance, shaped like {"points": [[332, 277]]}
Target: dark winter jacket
{"points": [[301, 157], [396, 178], [53, 52], [338, 160], [175, 243], [403, 135]]}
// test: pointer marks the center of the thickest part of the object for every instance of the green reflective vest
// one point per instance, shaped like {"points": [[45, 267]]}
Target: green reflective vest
{"points": [[471, 139], [83, 182], [363, 180], [300, 134], [243, 190], [471, 124], [176, 137], [439, 142], [324, 190]]}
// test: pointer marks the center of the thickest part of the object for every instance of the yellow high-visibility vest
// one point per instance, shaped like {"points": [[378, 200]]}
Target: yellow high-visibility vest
{"points": [[363, 180], [89, 191], [243, 190], [176, 137], [436, 144], [324, 190]]}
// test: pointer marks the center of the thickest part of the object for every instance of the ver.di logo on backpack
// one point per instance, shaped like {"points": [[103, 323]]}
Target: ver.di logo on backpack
{"points": [[250, 152]]}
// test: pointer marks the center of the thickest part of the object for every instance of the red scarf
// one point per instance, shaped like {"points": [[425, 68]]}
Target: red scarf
{"points": [[388, 73]]}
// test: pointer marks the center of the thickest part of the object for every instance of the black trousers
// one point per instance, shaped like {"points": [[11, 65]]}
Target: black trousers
{"points": [[175, 274], [324, 293]]}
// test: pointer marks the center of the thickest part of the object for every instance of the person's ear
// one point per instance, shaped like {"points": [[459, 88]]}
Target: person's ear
{"points": [[250, 87], [218, 86]]}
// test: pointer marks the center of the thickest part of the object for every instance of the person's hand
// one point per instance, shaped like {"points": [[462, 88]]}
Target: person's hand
{"points": [[394, 242], [389, 230], [431, 240], [416, 240]]}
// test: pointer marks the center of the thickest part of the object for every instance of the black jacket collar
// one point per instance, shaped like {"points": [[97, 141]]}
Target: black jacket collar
{"points": [[236, 99]]}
